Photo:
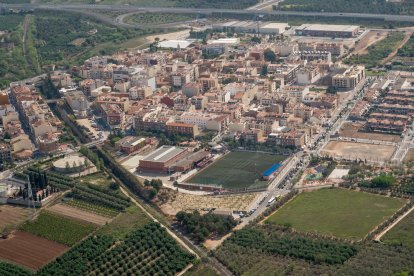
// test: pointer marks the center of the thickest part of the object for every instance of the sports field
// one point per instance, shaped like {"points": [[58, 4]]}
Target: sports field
{"points": [[238, 170], [339, 212]]}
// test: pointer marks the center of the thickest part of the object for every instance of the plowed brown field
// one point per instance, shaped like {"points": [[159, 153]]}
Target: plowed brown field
{"points": [[79, 214], [12, 215], [29, 250]]}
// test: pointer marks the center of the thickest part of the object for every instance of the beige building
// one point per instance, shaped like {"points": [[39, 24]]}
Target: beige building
{"points": [[350, 78]]}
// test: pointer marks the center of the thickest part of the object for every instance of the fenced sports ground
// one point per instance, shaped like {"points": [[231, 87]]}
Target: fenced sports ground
{"points": [[238, 170]]}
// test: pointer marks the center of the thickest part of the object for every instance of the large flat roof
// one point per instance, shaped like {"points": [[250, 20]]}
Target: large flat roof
{"points": [[327, 27], [174, 44], [163, 154], [275, 25]]}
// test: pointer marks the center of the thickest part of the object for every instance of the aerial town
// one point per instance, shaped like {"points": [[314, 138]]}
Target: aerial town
{"points": [[235, 147]]}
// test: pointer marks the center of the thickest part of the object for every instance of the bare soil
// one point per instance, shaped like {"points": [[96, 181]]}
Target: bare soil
{"points": [[29, 250], [79, 214], [356, 130], [12, 215], [352, 150]]}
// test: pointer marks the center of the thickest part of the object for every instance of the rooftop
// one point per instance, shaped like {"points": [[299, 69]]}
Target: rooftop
{"points": [[164, 153], [326, 27]]}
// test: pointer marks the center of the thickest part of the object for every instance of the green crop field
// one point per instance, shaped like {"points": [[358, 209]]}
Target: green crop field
{"points": [[402, 233], [338, 212], [57, 228], [132, 218], [238, 170]]}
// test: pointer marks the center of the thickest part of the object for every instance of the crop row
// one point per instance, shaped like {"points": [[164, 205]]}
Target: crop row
{"points": [[90, 189], [147, 251], [91, 198]]}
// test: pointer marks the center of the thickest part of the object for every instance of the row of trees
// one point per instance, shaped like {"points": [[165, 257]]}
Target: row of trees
{"points": [[146, 251], [286, 243], [201, 227], [125, 176], [93, 194], [76, 261], [351, 6], [390, 220]]}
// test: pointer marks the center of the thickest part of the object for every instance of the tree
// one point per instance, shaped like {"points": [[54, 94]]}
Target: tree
{"points": [[264, 71], [256, 39], [331, 90], [383, 181], [269, 55]]}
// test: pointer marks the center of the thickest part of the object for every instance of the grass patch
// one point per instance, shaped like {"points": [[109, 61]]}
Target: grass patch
{"points": [[238, 170], [402, 233], [59, 229], [338, 212], [92, 208], [99, 179], [131, 219]]}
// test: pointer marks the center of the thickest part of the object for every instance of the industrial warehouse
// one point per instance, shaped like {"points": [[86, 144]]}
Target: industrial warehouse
{"points": [[167, 159], [323, 30], [252, 27]]}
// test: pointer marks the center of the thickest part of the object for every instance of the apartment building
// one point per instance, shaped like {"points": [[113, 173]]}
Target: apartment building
{"points": [[350, 78]]}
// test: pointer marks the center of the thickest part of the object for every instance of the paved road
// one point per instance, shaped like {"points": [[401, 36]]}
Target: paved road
{"points": [[128, 8]]}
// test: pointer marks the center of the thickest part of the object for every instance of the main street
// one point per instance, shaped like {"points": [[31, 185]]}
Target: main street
{"points": [[282, 184], [93, 8]]}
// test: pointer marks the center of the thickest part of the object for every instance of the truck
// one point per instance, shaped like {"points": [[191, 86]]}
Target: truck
{"points": [[271, 200]]}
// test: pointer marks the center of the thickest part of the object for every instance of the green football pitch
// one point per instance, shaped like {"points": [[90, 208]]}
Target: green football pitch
{"points": [[238, 170]]}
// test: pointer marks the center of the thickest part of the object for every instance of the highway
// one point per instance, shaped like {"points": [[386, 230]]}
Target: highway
{"points": [[85, 8]]}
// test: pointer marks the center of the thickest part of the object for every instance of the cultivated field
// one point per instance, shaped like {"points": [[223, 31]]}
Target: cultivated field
{"points": [[29, 250], [188, 202], [402, 233], [133, 218], [12, 215], [352, 151], [57, 228], [355, 130], [338, 212], [238, 170], [92, 208], [76, 213]]}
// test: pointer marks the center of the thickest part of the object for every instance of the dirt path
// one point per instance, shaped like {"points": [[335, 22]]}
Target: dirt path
{"points": [[24, 38], [79, 214], [369, 39], [379, 236], [407, 36], [154, 219]]}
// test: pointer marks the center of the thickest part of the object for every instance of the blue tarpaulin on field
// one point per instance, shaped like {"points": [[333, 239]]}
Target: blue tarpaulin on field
{"points": [[272, 169]]}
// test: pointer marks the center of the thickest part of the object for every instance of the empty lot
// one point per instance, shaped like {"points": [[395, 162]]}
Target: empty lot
{"points": [[29, 250], [353, 150], [355, 130], [186, 202]]}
